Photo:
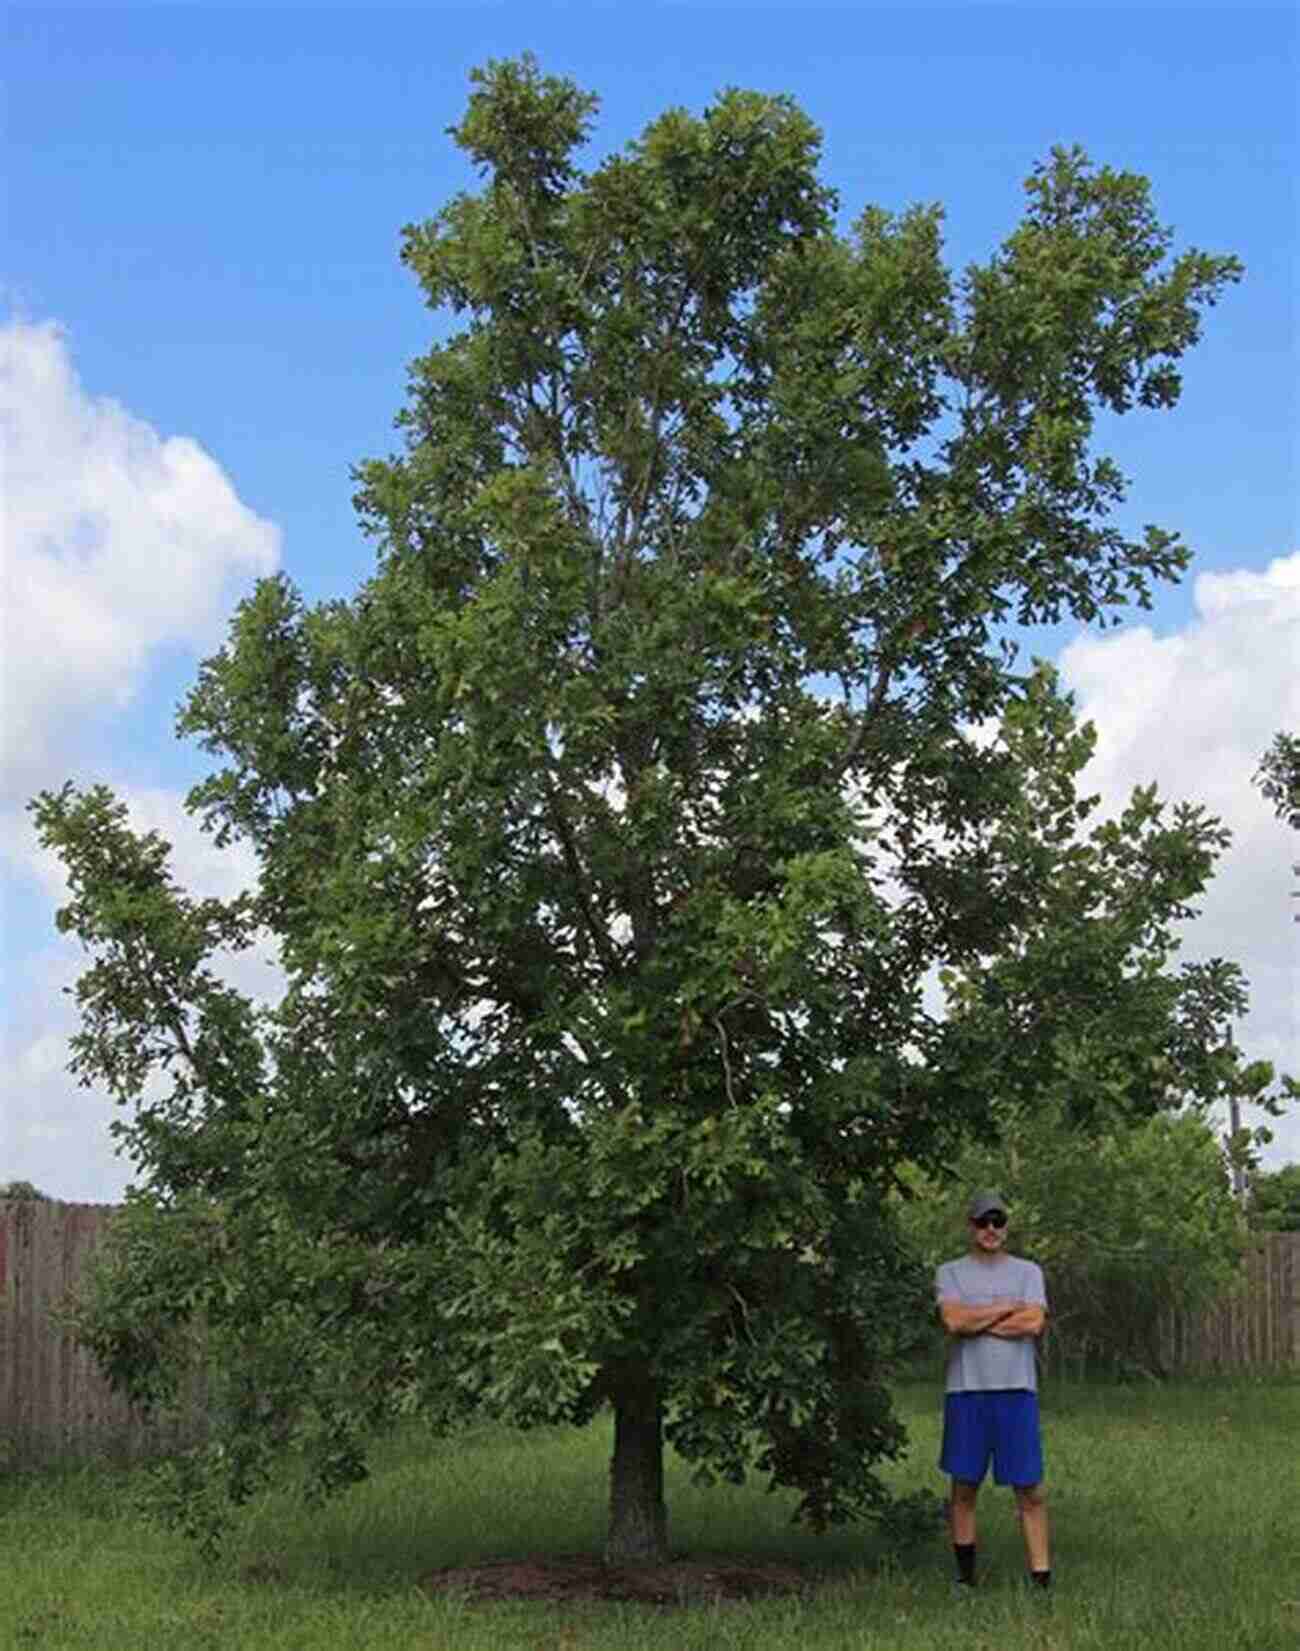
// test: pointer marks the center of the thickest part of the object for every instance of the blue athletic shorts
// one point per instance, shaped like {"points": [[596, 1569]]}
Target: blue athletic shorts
{"points": [[1003, 1425]]}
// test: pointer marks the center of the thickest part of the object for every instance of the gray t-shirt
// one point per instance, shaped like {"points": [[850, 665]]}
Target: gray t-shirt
{"points": [[987, 1364]]}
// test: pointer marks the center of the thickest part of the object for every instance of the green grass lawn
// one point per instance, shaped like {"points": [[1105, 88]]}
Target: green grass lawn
{"points": [[1177, 1525]]}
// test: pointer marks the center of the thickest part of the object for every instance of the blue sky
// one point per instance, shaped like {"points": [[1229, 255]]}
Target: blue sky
{"points": [[204, 207]]}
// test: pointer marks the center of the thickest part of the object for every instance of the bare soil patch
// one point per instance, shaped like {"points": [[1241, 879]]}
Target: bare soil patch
{"points": [[583, 1578]]}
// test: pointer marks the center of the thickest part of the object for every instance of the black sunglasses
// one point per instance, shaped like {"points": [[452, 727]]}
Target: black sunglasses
{"points": [[994, 1219]]}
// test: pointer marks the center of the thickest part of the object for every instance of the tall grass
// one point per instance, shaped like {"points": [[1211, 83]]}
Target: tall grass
{"points": [[1175, 1516]]}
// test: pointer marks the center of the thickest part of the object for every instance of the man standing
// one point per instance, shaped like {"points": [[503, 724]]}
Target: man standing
{"points": [[993, 1306]]}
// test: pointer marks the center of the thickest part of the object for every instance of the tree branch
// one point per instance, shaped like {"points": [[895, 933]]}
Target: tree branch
{"points": [[564, 831], [726, 1061], [867, 715], [628, 509]]}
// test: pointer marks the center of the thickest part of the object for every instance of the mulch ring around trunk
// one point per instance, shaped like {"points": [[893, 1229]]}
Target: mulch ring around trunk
{"points": [[582, 1578]]}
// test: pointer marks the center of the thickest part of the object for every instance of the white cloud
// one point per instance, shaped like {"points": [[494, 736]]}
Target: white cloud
{"points": [[52, 1132], [118, 541], [1194, 712]]}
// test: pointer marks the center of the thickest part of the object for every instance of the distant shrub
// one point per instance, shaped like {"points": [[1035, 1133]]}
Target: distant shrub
{"points": [[1274, 1204], [14, 1190]]}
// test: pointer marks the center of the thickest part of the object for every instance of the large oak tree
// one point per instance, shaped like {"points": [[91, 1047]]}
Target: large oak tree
{"points": [[609, 833]]}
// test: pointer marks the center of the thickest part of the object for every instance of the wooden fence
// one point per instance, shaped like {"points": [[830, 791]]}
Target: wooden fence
{"points": [[1256, 1326], [54, 1402]]}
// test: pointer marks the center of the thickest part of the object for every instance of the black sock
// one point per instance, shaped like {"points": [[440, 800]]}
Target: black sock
{"points": [[965, 1552], [1042, 1578]]}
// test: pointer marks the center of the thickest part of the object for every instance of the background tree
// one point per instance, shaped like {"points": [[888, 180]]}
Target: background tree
{"points": [[22, 1189], [1278, 777], [1274, 1204], [1128, 1221], [609, 833]]}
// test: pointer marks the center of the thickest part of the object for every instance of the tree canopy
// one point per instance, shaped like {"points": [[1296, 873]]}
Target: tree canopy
{"points": [[1129, 1220], [1278, 777], [14, 1190], [611, 831], [1274, 1204]]}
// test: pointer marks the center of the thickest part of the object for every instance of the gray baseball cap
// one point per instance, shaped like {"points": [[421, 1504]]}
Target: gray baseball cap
{"points": [[983, 1202]]}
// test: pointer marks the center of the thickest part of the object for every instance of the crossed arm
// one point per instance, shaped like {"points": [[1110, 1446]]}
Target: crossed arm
{"points": [[1003, 1317]]}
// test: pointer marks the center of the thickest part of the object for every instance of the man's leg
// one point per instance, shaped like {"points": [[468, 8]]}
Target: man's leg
{"points": [[1018, 1462], [964, 1457], [1033, 1524], [961, 1516], [961, 1523]]}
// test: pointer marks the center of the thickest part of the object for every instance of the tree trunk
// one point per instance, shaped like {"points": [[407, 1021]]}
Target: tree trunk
{"points": [[638, 1518]]}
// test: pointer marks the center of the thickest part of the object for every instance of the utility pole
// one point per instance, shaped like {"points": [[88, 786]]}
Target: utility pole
{"points": [[1234, 1128], [1238, 1170]]}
